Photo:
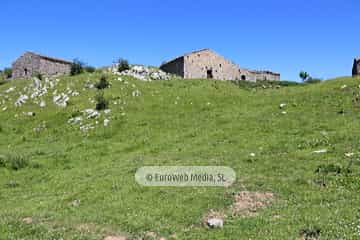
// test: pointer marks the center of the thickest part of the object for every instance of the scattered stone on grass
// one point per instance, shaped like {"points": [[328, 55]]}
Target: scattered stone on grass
{"points": [[106, 122], [214, 219], [136, 93], [320, 151], [141, 72], [61, 100], [350, 154], [76, 203], [282, 105], [21, 100]]}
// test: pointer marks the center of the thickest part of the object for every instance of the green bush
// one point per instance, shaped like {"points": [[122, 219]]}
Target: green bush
{"points": [[7, 73], [89, 69], [101, 102], [77, 67], [38, 76], [14, 161], [313, 80], [123, 65], [103, 83]]}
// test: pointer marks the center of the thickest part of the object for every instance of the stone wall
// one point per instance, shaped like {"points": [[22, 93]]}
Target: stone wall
{"points": [[206, 63], [30, 64], [356, 67], [176, 67]]}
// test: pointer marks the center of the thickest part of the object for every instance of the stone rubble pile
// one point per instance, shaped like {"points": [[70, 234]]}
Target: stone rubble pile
{"points": [[142, 73]]}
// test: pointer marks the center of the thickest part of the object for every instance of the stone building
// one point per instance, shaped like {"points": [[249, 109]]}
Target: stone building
{"points": [[208, 64], [356, 67], [30, 64]]}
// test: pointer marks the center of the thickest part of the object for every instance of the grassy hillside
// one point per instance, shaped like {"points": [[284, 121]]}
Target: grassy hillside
{"points": [[60, 182]]}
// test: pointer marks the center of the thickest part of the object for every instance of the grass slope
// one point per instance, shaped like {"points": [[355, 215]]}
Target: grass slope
{"points": [[192, 122]]}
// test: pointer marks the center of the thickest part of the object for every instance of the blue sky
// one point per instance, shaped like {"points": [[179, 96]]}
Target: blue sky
{"points": [[321, 37]]}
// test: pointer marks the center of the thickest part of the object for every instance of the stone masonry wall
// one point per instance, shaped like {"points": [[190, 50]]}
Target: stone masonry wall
{"points": [[29, 64], [25, 66], [174, 67], [207, 64]]}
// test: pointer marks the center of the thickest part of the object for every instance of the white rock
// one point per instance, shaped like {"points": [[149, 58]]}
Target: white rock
{"points": [[343, 86], [75, 120], [215, 223], [252, 154], [4, 109], [282, 105], [10, 90], [106, 122], [349, 154], [283, 112], [91, 113], [42, 104], [30, 114], [21, 100], [107, 111], [136, 93], [320, 151]]}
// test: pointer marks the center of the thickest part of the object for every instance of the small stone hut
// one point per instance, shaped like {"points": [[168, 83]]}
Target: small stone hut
{"points": [[356, 67], [208, 64], [30, 64]]}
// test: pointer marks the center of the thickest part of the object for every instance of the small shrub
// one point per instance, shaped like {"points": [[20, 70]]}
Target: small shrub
{"points": [[89, 69], [313, 80], [14, 162], [103, 83], [38, 76], [12, 184], [101, 102], [77, 67], [7, 73], [310, 233], [329, 168], [304, 75], [123, 65]]}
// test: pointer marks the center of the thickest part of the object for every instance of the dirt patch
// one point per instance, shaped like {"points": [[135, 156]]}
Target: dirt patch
{"points": [[27, 220], [248, 203], [115, 238]]}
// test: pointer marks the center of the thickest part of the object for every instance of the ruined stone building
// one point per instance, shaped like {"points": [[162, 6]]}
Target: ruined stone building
{"points": [[30, 64], [208, 64], [356, 67]]}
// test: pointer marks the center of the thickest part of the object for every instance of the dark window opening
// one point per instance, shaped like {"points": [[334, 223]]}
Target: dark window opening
{"points": [[209, 74], [25, 71], [243, 77], [220, 65], [198, 55]]}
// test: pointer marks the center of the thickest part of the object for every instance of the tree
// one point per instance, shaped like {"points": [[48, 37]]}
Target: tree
{"points": [[7, 73], [123, 65], [77, 67], [304, 75]]}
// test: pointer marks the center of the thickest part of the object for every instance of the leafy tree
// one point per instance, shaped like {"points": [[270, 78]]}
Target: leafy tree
{"points": [[304, 75], [123, 65], [103, 83], [77, 67], [7, 73], [101, 102]]}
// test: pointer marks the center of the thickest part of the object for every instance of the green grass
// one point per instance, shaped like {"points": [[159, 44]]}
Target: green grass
{"points": [[181, 122]]}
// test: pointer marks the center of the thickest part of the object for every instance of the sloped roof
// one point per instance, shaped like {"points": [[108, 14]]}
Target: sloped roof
{"points": [[52, 59], [193, 52]]}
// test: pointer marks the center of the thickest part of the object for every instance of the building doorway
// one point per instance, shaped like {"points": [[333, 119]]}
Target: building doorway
{"points": [[25, 71], [209, 74]]}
